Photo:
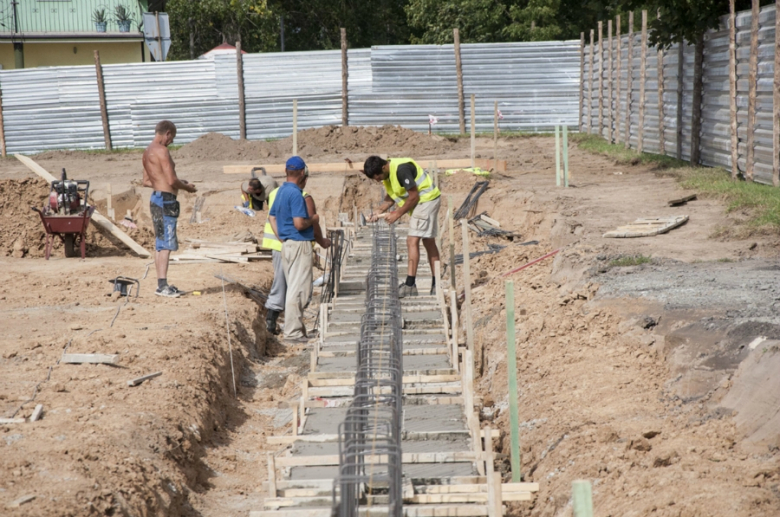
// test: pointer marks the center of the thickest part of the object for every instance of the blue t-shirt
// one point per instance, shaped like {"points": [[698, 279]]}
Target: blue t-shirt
{"points": [[289, 203]]}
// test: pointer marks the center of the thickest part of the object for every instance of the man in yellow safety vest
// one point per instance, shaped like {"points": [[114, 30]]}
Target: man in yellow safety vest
{"points": [[411, 188], [276, 298]]}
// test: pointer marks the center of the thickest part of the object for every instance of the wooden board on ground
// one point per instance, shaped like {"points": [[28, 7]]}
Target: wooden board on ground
{"points": [[682, 200], [483, 163], [647, 227], [90, 359]]}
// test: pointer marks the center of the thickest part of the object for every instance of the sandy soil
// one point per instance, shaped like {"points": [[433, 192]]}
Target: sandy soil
{"points": [[612, 384]]}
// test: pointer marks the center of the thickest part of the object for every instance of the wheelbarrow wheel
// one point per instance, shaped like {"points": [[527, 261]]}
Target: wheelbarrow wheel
{"points": [[70, 245]]}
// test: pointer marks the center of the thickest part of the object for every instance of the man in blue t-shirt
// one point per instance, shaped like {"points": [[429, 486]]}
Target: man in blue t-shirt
{"points": [[296, 231]]}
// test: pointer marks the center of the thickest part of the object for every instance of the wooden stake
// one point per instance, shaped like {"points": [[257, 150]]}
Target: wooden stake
{"points": [[495, 129], [733, 88], [581, 126], [511, 369], [557, 156], [473, 131], [609, 82], [241, 103], [629, 76], [271, 474], [344, 80], [752, 83], [642, 80], [440, 296], [295, 129], [493, 491], [109, 202], [454, 317], [619, 79], [467, 285], [680, 80], [459, 73], [565, 155], [600, 125], [36, 414], [295, 421], [103, 106], [590, 87], [775, 104], [3, 149], [582, 499], [661, 125], [452, 242]]}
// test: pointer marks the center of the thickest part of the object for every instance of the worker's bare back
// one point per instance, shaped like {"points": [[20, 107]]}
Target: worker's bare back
{"points": [[159, 169]]}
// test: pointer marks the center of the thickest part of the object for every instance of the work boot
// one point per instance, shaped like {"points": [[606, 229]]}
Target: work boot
{"points": [[407, 290], [433, 289], [270, 321]]}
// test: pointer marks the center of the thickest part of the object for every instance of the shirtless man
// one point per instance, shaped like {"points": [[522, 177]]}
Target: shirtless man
{"points": [[160, 175]]}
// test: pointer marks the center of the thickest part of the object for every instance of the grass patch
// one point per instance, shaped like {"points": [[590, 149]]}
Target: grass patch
{"points": [[631, 261], [596, 144]]}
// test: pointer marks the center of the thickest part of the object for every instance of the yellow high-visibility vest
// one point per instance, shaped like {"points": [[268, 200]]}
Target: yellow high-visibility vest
{"points": [[396, 191], [269, 238]]}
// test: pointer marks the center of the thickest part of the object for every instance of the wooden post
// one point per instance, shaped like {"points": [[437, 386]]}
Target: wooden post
{"points": [[733, 88], [440, 296], [565, 156], [680, 79], [600, 125], [452, 241], [661, 125], [295, 133], [609, 82], [619, 79], [642, 79], [511, 372], [752, 80], [473, 132], [557, 156], [467, 286], [109, 203], [775, 104], [590, 88], [495, 129], [582, 79], [454, 318], [629, 76], [494, 492], [241, 103], [271, 474], [582, 499], [103, 107], [696, 108], [3, 149], [459, 73], [344, 80]]}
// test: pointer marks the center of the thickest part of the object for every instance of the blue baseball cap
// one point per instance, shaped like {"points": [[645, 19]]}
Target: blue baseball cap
{"points": [[295, 163]]}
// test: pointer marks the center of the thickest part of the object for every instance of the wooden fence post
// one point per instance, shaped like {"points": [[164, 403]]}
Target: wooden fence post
{"points": [[775, 104], [601, 80], [752, 79], [582, 78], [680, 79], [629, 76], [467, 286], [295, 136], [495, 130], [661, 125], [103, 107], [344, 80], [619, 79], [590, 88], [733, 89], [473, 131], [2, 128], [642, 79], [241, 104], [459, 73], [609, 82], [511, 371]]}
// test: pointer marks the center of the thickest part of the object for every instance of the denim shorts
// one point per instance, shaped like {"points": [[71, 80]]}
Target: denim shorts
{"points": [[165, 213]]}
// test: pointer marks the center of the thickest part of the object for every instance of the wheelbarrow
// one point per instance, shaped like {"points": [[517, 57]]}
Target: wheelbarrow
{"points": [[71, 230]]}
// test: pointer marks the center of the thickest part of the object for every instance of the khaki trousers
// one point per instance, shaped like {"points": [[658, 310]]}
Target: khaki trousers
{"points": [[297, 260]]}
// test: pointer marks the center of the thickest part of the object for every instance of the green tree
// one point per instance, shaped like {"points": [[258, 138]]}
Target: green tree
{"points": [[479, 21]]}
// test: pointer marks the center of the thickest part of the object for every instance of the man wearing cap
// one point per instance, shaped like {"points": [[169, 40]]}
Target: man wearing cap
{"points": [[255, 192], [274, 305], [411, 188], [295, 228]]}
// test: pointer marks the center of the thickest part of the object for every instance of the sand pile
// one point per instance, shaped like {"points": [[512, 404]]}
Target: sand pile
{"points": [[393, 140]]}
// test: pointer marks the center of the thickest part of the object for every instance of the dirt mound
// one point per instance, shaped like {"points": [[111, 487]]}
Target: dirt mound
{"points": [[318, 141], [21, 231]]}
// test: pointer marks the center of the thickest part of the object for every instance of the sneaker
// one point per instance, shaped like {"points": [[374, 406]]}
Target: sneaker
{"points": [[168, 291], [406, 290], [433, 290]]}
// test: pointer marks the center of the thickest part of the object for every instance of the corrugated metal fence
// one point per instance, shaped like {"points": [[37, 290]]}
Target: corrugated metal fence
{"points": [[536, 85], [715, 133]]}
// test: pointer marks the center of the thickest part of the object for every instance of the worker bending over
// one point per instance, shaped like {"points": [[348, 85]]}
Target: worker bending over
{"points": [[274, 305], [411, 188], [295, 229], [255, 192]]}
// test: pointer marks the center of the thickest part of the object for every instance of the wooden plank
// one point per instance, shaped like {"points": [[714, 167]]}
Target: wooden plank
{"points": [[37, 412], [642, 80], [619, 79], [271, 463], [750, 159], [90, 359], [323, 379], [647, 227], [600, 124], [484, 163], [139, 380], [12, 420], [428, 510], [466, 498], [490, 221], [629, 77], [236, 259], [241, 103], [101, 222], [414, 457], [102, 97], [682, 200], [459, 76]]}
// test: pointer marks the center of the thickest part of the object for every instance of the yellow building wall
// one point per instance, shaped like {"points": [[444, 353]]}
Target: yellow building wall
{"points": [[73, 53]]}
